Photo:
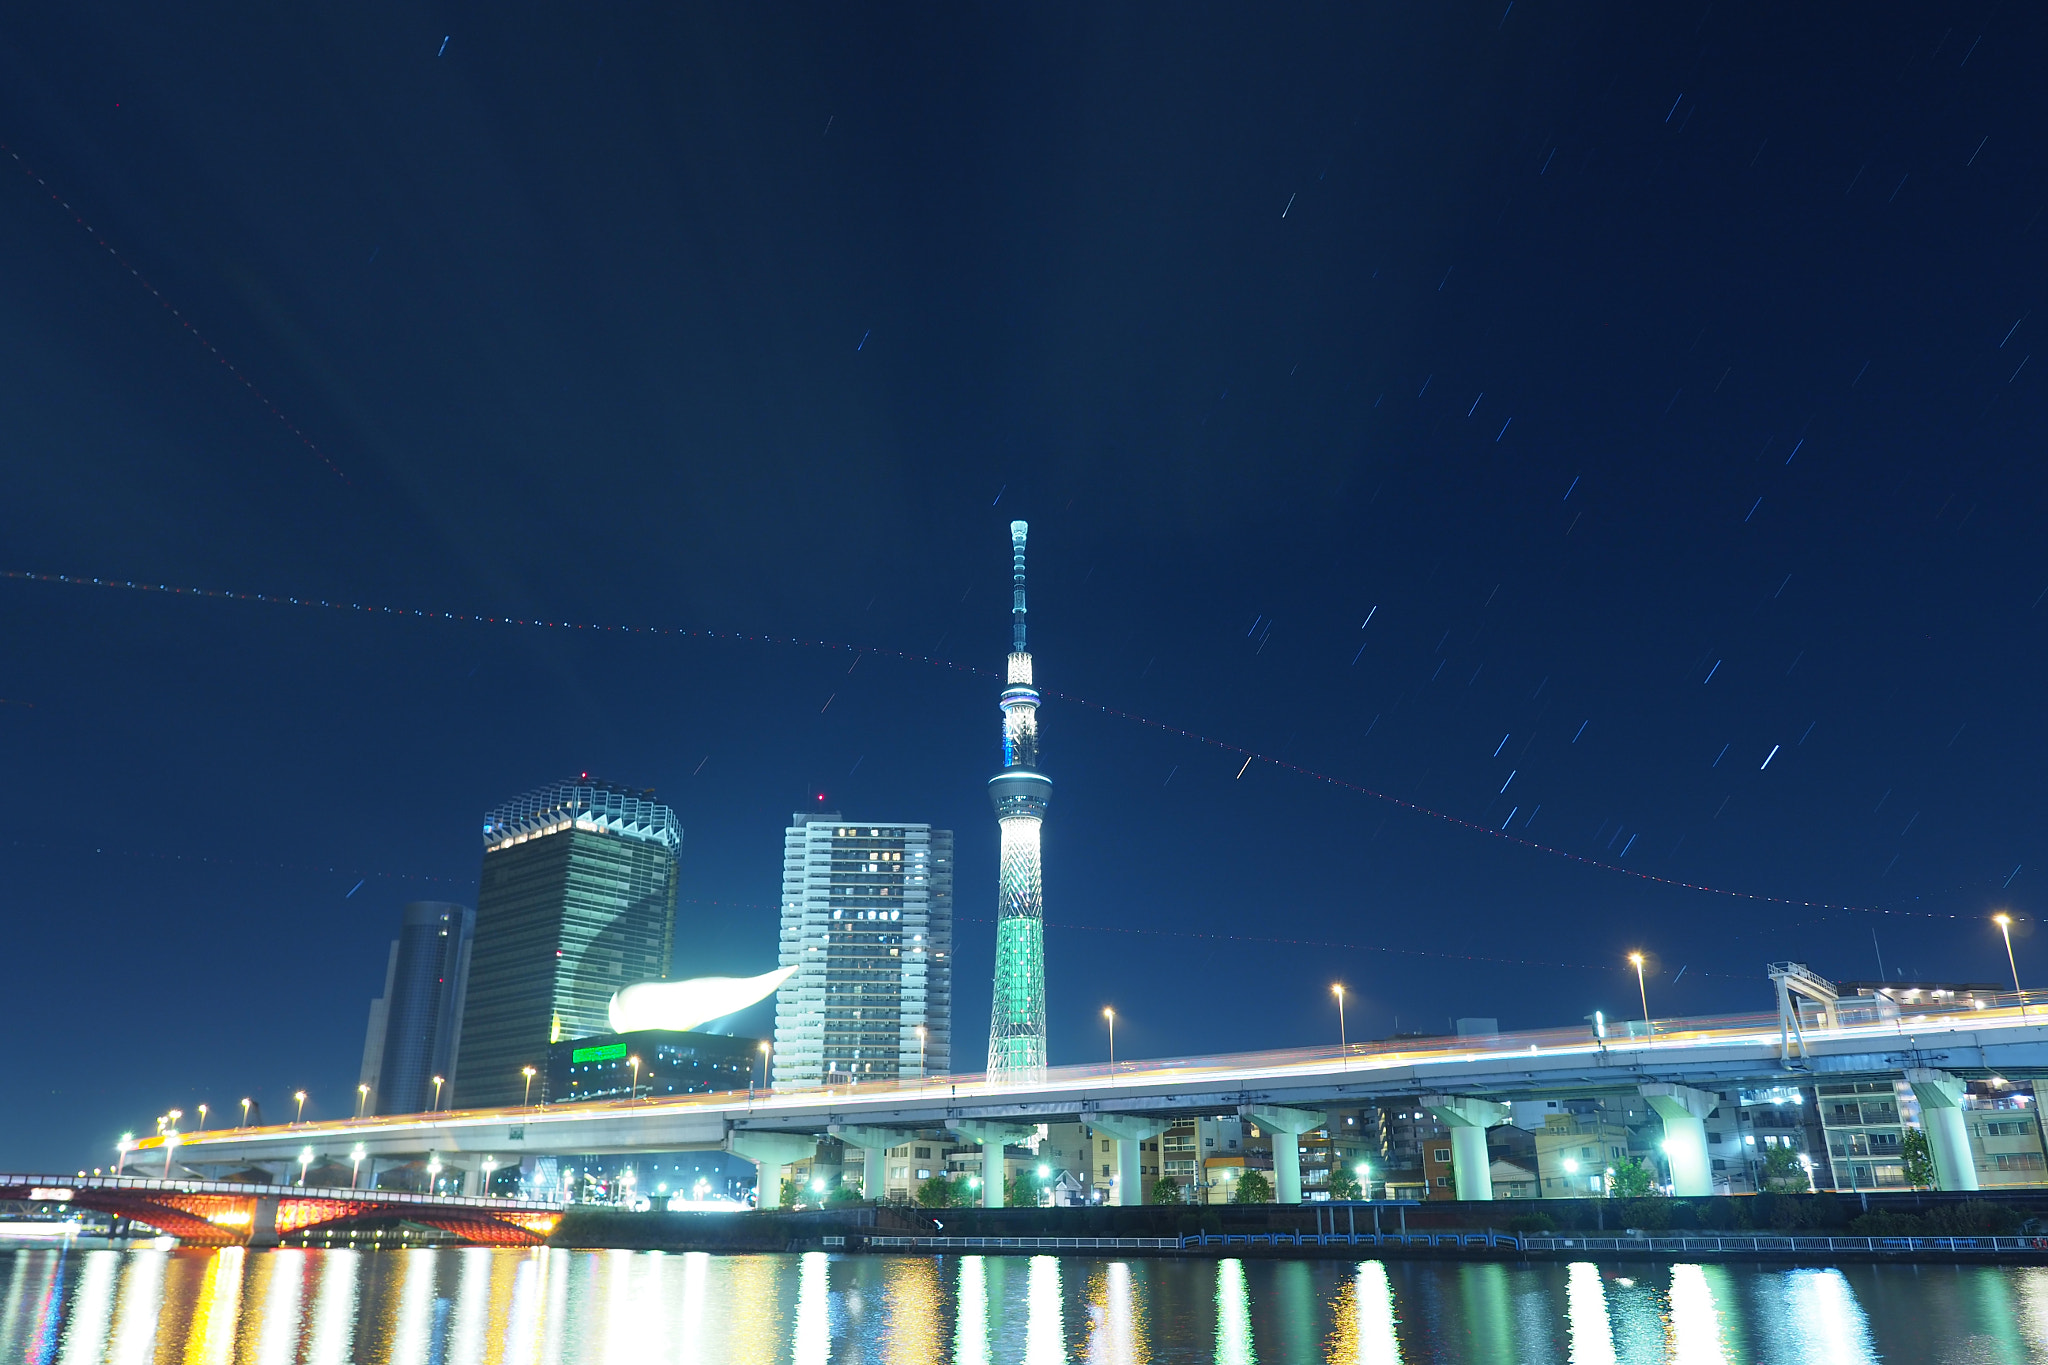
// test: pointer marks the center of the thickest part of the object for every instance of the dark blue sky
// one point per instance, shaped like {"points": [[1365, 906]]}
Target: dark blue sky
{"points": [[1652, 371]]}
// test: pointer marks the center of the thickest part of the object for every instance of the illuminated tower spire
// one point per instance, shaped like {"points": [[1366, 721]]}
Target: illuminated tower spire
{"points": [[1016, 1026]]}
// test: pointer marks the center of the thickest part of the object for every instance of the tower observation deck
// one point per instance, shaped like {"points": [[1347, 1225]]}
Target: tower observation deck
{"points": [[1016, 1026]]}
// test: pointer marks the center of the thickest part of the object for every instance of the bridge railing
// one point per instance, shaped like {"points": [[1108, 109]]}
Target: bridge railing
{"points": [[173, 1185]]}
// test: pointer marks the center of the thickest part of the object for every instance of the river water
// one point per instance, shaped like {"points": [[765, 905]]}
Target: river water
{"points": [[479, 1306]]}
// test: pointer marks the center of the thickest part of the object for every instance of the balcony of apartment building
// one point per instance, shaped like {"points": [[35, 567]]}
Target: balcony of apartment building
{"points": [[2006, 1143], [1864, 1126]]}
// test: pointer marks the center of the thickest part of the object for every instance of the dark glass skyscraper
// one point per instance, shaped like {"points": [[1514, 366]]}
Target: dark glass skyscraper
{"points": [[415, 1027], [577, 900]]}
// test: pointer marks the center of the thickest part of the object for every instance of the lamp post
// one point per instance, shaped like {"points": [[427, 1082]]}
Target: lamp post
{"points": [[438, 1082], [434, 1174], [121, 1151], [1636, 959], [300, 1096], [1110, 1015], [490, 1165], [2004, 923], [1364, 1173], [355, 1164], [245, 1112], [171, 1141], [202, 1118], [362, 1099], [1343, 1039], [175, 1115], [920, 1056], [764, 1065], [305, 1160], [527, 1099], [633, 1086]]}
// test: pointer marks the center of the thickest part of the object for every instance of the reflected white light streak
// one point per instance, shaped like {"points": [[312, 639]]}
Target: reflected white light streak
{"points": [[334, 1309], [1695, 1321], [689, 1335], [92, 1309], [813, 1344], [1117, 1336], [970, 1332], [1373, 1321], [412, 1335], [1233, 1315], [1586, 1313], [1045, 1341], [1825, 1320], [278, 1343], [522, 1316], [466, 1334], [142, 1298]]}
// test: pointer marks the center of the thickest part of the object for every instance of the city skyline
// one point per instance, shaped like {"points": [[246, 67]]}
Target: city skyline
{"points": [[1505, 493]]}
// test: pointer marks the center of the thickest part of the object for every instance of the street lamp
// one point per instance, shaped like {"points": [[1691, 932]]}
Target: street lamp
{"points": [[171, 1140], [176, 1114], [1642, 990], [633, 1087], [121, 1151], [764, 1065], [362, 1099], [1110, 1015], [1343, 1039], [355, 1163], [245, 1113], [434, 1174], [490, 1165], [300, 1096], [202, 1118], [1363, 1170], [305, 1160], [2004, 923], [529, 1073], [438, 1081], [920, 1056]]}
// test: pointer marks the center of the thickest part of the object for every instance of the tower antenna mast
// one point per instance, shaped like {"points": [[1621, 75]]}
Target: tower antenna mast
{"points": [[1020, 793]]}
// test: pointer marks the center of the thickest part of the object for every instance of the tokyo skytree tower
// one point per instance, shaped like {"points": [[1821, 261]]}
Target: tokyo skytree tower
{"points": [[1016, 1026]]}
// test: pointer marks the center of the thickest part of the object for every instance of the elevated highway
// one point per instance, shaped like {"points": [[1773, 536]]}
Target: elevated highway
{"points": [[1672, 1064]]}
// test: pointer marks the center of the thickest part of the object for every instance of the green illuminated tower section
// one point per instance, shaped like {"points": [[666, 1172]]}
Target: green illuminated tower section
{"points": [[1016, 1026]]}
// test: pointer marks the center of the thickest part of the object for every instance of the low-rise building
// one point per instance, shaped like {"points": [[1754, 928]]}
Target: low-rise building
{"points": [[1575, 1152]]}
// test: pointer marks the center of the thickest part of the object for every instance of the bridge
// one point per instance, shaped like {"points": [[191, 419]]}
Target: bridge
{"points": [[1462, 1081], [229, 1213]]}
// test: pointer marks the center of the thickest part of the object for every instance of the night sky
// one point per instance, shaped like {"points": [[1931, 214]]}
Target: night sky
{"points": [[1653, 378]]}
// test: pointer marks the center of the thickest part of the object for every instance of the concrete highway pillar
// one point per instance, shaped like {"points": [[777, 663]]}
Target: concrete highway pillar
{"points": [[1684, 1111], [1129, 1130], [874, 1145], [472, 1182], [263, 1222], [1941, 1113], [991, 1138], [1468, 1119], [772, 1154], [1289, 1124]]}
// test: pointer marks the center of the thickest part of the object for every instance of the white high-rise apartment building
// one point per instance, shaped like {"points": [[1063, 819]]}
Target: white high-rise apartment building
{"points": [[867, 921]]}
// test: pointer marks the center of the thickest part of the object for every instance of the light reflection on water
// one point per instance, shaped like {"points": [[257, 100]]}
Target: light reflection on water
{"points": [[478, 1306]]}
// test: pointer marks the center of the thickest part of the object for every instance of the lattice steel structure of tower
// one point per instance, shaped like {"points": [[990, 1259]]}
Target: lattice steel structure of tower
{"points": [[1016, 1026]]}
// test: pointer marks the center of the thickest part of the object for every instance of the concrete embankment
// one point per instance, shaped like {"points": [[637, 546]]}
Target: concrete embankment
{"points": [[1921, 1226]]}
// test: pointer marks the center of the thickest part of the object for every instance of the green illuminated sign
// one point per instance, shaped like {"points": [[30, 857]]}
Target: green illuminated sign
{"points": [[598, 1054]]}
